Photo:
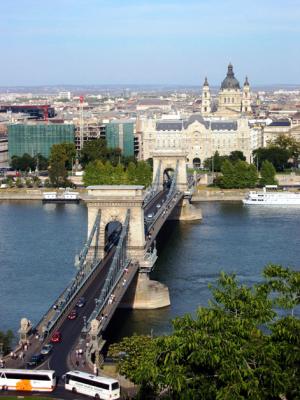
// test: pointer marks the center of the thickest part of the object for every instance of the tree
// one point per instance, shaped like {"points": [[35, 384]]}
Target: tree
{"points": [[267, 174], [277, 156], [215, 162], [236, 156], [41, 162], [93, 150], [239, 347], [143, 174], [60, 160], [23, 163], [287, 142], [239, 175]]}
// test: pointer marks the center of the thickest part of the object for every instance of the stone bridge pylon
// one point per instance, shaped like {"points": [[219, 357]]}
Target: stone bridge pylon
{"points": [[113, 202]]}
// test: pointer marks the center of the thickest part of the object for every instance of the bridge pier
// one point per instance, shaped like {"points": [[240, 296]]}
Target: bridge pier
{"points": [[185, 211], [146, 294]]}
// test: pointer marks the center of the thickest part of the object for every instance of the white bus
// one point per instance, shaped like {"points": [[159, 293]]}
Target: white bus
{"points": [[27, 380], [98, 387]]}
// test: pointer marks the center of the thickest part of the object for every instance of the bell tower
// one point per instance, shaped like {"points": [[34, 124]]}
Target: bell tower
{"points": [[246, 98], [206, 99]]}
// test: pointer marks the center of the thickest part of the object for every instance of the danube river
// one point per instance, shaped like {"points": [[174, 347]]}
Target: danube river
{"points": [[38, 244]]}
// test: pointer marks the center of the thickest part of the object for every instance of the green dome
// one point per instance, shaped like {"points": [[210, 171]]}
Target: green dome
{"points": [[230, 82]]}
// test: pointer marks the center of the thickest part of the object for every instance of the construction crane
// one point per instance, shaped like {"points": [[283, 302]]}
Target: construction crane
{"points": [[81, 98]]}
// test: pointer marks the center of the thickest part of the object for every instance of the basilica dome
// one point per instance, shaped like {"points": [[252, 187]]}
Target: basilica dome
{"points": [[230, 82]]}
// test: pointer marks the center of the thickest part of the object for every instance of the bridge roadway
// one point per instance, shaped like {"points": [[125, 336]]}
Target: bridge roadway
{"points": [[63, 353], [71, 330]]}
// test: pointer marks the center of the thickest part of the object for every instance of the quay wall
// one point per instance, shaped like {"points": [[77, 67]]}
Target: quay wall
{"points": [[214, 194], [27, 194], [203, 194]]}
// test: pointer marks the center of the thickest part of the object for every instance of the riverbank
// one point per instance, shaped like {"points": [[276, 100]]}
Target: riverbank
{"points": [[202, 194], [28, 194], [214, 194]]}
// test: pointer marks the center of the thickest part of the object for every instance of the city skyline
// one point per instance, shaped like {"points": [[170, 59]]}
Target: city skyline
{"points": [[147, 43]]}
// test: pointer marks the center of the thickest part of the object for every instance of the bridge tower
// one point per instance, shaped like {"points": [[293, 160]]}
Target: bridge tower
{"points": [[113, 203], [165, 160], [169, 155]]}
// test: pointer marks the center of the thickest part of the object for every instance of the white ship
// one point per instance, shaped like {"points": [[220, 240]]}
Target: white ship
{"points": [[269, 196]]}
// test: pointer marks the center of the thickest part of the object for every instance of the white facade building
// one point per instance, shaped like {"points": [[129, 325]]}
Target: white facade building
{"points": [[200, 137]]}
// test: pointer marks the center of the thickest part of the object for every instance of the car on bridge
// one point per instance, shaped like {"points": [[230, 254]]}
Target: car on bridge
{"points": [[46, 349], [150, 215], [56, 337], [81, 302], [73, 314], [35, 360]]}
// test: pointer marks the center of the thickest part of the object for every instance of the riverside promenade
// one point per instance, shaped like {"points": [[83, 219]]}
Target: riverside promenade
{"points": [[202, 194], [29, 194]]}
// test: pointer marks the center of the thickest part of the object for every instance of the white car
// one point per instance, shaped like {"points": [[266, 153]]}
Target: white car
{"points": [[150, 215], [46, 349], [158, 205]]}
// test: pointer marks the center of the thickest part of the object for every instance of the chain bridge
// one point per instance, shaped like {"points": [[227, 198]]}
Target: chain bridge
{"points": [[114, 265]]}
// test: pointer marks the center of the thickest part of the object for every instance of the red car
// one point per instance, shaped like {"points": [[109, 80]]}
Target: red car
{"points": [[72, 315], [56, 337]]}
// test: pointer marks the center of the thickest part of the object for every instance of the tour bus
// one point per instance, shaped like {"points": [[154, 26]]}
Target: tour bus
{"points": [[27, 380], [98, 387]]}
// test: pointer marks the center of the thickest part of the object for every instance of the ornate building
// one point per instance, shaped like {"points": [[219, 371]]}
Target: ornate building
{"points": [[232, 100], [200, 138]]}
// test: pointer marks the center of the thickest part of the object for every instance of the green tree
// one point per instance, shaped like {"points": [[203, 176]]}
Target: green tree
{"points": [[19, 183], [275, 155], [143, 174], [41, 162], [288, 143], [60, 160], [236, 156], [239, 347], [267, 174], [131, 174], [23, 163], [239, 175], [215, 162], [93, 150]]}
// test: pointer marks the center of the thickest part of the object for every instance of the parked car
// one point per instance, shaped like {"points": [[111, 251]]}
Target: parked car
{"points": [[73, 314], [56, 337], [46, 349], [35, 360], [81, 302]]}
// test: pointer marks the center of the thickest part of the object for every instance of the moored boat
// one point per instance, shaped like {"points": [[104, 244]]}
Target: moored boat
{"points": [[65, 197], [271, 196]]}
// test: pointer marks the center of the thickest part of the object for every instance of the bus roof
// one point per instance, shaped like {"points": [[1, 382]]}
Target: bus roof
{"points": [[95, 378], [27, 371]]}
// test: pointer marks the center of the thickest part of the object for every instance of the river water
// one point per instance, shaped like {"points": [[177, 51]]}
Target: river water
{"points": [[38, 244]]}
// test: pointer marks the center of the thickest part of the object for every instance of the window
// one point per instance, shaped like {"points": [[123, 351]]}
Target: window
{"points": [[34, 377], [205, 109], [85, 381], [205, 94]]}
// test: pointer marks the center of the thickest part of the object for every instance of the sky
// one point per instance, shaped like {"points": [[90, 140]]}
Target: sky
{"points": [[148, 42]]}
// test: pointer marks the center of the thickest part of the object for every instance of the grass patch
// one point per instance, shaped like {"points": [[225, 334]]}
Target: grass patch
{"points": [[24, 398]]}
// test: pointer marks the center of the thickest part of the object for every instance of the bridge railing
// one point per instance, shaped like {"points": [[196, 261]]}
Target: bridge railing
{"points": [[115, 272], [84, 272]]}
